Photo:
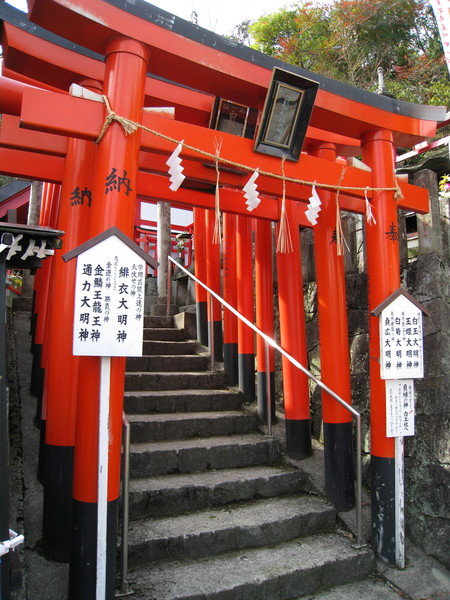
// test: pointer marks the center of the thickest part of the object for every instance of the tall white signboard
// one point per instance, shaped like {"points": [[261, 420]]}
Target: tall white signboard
{"points": [[109, 301], [108, 321], [401, 340], [401, 361]]}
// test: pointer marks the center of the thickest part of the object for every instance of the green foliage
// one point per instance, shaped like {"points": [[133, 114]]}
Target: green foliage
{"points": [[349, 40], [435, 93]]}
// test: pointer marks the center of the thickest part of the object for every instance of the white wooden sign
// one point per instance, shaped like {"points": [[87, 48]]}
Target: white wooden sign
{"points": [[401, 340], [108, 321], [109, 300], [399, 407]]}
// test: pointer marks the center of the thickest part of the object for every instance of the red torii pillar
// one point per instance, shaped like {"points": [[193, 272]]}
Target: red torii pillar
{"points": [[264, 318], [246, 337], [334, 350], [293, 340], [201, 298], [383, 268], [41, 287], [52, 193], [61, 382], [230, 321], [213, 280], [114, 194]]}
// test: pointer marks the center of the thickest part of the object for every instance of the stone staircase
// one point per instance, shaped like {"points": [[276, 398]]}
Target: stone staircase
{"points": [[214, 512]]}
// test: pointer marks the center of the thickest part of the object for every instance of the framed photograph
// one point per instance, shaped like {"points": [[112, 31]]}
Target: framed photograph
{"points": [[287, 111]]}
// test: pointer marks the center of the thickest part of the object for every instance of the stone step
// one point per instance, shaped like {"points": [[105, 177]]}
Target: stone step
{"points": [[279, 572], [236, 526], [180, 493], [181, 362], [164, 334], [165, 401], [172, 426], [155, 321], [174, 381], [164, 347], [188, 456], [372, 588]]}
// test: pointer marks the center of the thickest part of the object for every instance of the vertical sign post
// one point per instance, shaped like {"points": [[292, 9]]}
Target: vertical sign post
{"points": [[401, 361], [108, 321]]}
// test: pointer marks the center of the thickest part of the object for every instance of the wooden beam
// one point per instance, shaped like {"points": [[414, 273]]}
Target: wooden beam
{"points": [[55, 113], [30, 165], [210, 63], [44, 61], [12, 136], [50, 112]]}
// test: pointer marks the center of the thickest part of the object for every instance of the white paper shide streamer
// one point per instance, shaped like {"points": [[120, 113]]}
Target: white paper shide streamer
{"points": [[369, 214], [251, 192], [314, 207], [175, 168]]}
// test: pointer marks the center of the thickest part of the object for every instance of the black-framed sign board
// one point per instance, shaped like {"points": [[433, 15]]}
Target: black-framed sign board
{"points": [[287, 111]]}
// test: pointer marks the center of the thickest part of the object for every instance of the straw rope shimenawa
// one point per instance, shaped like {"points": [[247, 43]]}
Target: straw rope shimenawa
{"points": [[284, 242], [130, 127]]}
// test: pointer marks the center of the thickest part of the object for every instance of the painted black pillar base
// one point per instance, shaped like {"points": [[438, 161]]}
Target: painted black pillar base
{"points": [[33, 319], [202, 322], [58, 504], [83, 559], [5, 577], [218, 341], [36, 351], [383, 508], [298, 438], [247, 385], [262, 395], [339, 468], [42, 447], [230, 363]]}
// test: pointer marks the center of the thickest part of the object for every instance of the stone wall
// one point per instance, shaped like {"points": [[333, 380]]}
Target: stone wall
{"points": [[427, 454]]}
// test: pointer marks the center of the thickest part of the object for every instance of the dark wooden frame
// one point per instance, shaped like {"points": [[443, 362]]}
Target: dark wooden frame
{"points": [[281, 134]]}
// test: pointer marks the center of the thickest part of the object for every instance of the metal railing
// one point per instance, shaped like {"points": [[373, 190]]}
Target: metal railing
{"points": [[270, 342]]}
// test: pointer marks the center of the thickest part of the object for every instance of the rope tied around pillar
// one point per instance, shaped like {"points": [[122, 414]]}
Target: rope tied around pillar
{"points": [[128, 125]]}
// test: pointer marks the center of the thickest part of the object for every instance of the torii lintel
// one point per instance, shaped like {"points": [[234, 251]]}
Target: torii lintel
{"points": [[196, 168], [191, 56]]}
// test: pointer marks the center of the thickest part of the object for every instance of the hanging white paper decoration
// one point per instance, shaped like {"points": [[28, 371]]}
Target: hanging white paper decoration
{"points": [[369, 214], [251, 192], [175, 168], [314, 207]]}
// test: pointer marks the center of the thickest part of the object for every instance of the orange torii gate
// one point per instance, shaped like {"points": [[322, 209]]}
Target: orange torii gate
{"points": [[378, 122]]}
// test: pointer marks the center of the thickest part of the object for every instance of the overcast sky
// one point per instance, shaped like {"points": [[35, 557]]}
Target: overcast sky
{"points": [[215, 15]]}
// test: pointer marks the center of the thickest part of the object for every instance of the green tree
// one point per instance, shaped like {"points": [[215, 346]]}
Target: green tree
{"points": [[300, 36], [349, 40]]}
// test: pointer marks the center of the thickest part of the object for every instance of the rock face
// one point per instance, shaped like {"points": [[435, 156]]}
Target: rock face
{"points": [[427, 472]]}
